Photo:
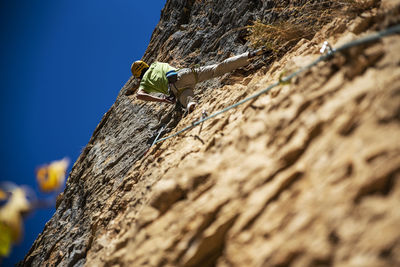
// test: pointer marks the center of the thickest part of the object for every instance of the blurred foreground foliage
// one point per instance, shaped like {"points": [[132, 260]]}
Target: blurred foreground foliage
{"points": [[17, 201]]}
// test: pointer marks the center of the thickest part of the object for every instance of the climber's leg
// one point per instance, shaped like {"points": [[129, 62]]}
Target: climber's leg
{"points": [[188, 77], [219, 69], [186, 98]]}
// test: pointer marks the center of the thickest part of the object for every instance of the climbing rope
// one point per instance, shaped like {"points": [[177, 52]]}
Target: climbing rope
{"points": [[330, 52]]}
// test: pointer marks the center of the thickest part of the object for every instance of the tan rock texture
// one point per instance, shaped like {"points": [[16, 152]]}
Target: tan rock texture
{"points": [[305, 175]]}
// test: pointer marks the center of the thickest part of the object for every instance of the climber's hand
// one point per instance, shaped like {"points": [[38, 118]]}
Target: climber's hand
{"points": [[169, 99]]}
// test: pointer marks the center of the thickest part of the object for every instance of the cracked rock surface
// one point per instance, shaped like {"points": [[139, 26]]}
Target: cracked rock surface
{"points": [[305, 175]]}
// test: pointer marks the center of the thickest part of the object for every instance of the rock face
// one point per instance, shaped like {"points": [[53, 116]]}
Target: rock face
{"points": [[306, 175]]}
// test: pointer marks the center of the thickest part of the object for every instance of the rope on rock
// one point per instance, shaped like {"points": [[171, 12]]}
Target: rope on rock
{"points": [[328, 55]]}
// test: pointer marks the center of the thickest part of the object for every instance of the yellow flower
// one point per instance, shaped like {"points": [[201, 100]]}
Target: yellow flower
{"points": [[11, 216], [51, 177]]}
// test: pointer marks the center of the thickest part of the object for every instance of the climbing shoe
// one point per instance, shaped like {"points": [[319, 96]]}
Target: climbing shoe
{"points": [[191, 106]]}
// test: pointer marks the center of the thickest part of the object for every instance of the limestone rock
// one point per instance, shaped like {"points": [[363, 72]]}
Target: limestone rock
{"points": [[306, 175]]}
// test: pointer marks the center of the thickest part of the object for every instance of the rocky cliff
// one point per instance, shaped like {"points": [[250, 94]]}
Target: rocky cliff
{"points": [[306, 175]]}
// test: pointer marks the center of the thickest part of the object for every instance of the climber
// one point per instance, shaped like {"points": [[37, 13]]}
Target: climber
{"points": [[179, 83]]}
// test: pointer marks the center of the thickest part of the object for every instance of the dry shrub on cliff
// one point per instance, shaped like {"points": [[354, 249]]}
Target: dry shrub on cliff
{"points": [[301, 19]]}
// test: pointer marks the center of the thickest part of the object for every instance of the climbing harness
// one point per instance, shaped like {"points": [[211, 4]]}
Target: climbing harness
{"points": [[172, 77], [327, 52]]}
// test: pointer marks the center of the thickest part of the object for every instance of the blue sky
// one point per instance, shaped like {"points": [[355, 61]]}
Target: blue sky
{"points": [[62, 65]]}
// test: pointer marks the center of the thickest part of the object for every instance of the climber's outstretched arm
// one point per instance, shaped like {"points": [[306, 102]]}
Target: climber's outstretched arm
{"points": [[142, 95]]}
